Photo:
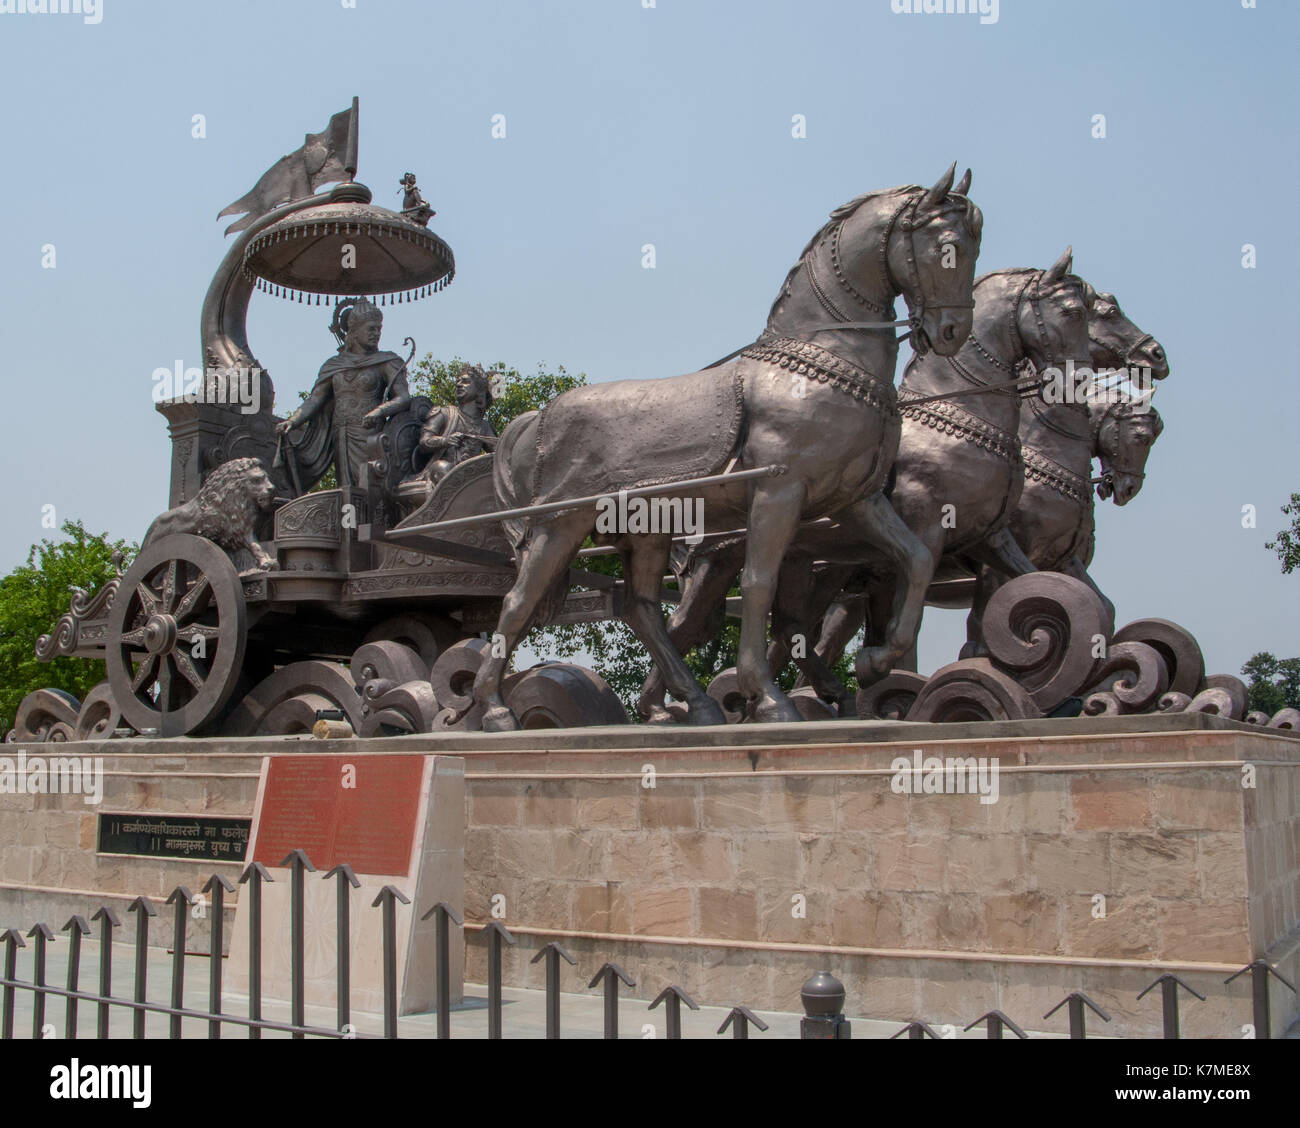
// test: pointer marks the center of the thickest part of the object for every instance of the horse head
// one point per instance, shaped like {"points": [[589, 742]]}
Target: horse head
{"points": [[1125, 430], [1117, 342], [918, 242], [931, 255], [1052, 316]]}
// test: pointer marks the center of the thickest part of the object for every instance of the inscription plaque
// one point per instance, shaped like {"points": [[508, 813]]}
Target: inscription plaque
{"points": [[361, 811], [194, 837]]}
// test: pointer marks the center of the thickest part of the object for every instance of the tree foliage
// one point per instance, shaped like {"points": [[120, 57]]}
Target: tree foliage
{"points": [[1287, 544], [1274, 683], [33, 597], [514, 393]]}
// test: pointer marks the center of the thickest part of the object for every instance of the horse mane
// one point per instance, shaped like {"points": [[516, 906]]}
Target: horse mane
{"points": [[974, 219], [839, 215]]}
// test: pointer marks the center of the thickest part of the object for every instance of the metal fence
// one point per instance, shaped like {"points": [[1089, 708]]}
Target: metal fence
{"points": [[823, 996]]}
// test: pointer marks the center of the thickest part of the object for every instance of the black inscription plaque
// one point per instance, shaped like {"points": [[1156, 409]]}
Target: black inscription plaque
{"points": [[201, 838]]}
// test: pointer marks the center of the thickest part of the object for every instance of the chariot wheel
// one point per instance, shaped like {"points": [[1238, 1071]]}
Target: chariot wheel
{"points": [[176, 636]]}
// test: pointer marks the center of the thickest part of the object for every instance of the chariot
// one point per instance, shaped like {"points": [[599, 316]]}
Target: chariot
{"points": [[338, 610]]}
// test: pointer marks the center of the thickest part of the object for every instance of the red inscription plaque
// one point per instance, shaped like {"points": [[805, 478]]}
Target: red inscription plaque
{"points": [[370, 825]]}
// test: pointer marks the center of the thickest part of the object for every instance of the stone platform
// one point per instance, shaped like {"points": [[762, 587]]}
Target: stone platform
{"points": [[1118, 848]]}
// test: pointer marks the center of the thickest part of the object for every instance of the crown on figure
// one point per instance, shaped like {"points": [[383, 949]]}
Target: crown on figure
{"points": [[352, 312]]}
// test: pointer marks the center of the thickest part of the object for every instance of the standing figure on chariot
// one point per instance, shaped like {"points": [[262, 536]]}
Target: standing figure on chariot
{"points": [[454, 432], [355, 392]]}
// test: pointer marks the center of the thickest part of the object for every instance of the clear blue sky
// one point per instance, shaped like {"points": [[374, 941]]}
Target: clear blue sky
{"points": [[668, 125]]}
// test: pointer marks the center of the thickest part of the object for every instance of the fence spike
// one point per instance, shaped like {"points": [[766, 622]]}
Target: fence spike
{"points": [[255, 874], [13, 940], [997, 1020], [182, 899], [1077, 1000], [76, 928], [144, 907], [42, 934], [672, 998], [387, 900], [1260, 970], [552, 953], [218, 885], [611, 973], [497, 934], [108, 921], [299, 866], [1169, 984], [443, 914], [740, 1019], [917, 1030], [342, 941]]}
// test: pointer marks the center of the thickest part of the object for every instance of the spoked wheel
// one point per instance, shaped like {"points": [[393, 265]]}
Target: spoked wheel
{"points": [[176, 636]]}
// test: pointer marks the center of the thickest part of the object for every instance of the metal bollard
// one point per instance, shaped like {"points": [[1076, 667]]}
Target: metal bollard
{"points": [[823, 1006]]}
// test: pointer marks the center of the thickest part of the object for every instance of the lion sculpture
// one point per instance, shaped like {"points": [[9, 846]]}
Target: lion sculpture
{"points": [[226, 511]]}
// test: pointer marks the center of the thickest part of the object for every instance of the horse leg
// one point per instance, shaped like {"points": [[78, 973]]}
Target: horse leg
{"points": [[1076, 568], [801, 600], [987, 581], [913, 559], [542, 564], [774, 513], [694, 621], [644, 560], [999, 558], [843, 619], [1002, 552]]}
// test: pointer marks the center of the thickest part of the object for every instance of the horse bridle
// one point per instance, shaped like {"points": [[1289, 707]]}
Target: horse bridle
{"points": [[905, 218], [1131, 357]]}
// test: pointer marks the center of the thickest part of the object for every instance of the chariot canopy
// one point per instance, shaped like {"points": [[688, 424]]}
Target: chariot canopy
{"points": [[343, 245]]}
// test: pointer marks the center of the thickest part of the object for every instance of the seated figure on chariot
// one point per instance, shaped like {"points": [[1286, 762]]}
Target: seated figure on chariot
{"points": [[355, 393], [455, 432]]}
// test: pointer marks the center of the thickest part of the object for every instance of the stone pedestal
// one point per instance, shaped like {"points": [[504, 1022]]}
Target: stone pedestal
{"points": [[1117, 849], [1103, 862]]}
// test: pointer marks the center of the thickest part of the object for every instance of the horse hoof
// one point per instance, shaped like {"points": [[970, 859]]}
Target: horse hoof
{"points": [[772, 710], [873, 663], [973, 650], [500, 719], [705, 712], [656, 715]]}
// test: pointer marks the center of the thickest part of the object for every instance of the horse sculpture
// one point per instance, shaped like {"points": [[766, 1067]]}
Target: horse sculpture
{"points": [[1054, 521], [812, 401], [957, 477]]}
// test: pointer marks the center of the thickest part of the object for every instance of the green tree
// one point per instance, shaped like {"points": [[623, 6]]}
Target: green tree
{"points": [[1287, 544], [1274, 682], [33, 596], [513, 392]]}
